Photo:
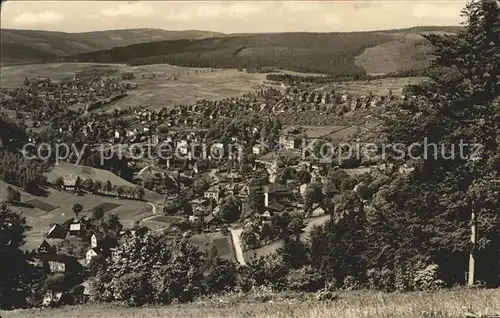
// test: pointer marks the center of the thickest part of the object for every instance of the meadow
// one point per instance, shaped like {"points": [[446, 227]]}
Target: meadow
{"points": [[462, 302], [376, 86], [55, 206], [68, 170], [208, 242]]}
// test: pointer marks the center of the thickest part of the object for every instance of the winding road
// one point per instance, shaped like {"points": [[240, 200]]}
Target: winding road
{"points": [[153, 206]]}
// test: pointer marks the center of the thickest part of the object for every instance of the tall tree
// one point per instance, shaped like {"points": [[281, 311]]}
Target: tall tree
{"points": [[460, 107], [14, 269], [77, 209]]}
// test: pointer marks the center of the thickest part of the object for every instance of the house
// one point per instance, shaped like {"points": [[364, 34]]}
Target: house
{"points": [[59, 263], [258, 149], [91, 254], [275, 207], [234, 177], [275, 192], [289, 138], [75, 229], [51, 298], [243, 193], [56, 232], [317, 210], [211, 221], [303, 189], [289, 142], [44, 247], [217, 151], [69, 184], [182, 147], [230, 189], [213, 193], [97, 240], [266, 216]]}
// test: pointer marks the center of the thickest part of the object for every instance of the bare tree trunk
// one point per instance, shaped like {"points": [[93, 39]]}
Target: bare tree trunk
{"points": [[472, 260]]}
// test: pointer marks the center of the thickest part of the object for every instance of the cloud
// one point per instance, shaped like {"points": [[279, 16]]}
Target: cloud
{"points": [[38, 18], [447, 11], [196, 10], [129, 10]]}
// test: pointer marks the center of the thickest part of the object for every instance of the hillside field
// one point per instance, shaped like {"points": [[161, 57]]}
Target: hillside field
{"points": [[461, 302], [56, 207], [72, 171]]}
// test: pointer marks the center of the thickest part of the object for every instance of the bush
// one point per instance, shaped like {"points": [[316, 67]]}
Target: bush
{"points": [[221, 276], [327, 292], [427, 278], [380, 279], [132, 289], [305, 279], [351, 283]]}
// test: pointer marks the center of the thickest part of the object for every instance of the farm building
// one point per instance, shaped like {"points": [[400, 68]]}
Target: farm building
{"points": [[56, 232], [59, 263], [75, 229]]}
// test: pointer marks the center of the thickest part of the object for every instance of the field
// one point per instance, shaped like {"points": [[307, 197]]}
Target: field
{"points": [[40, 220], [406, 52], [12, 76], [106, 206], [318, 131], [72, 171], [274, 246], [160, 221], [189, 85], [263, 251], [377, 87], [208, 241], [461, 302]]}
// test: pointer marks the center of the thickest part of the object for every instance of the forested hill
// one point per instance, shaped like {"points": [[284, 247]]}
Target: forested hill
{"points": [[31, 46], [333, 53]]}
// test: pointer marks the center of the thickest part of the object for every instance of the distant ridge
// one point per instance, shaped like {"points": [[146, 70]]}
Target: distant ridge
{"points": [[338, 53], [347, 54], [32, 46]]}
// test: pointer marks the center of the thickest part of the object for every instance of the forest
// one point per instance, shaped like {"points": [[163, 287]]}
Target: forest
{"points": [[330, 53]]}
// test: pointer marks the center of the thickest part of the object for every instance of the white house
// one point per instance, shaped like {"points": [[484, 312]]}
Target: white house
{"points": [[258, 149], [182, 147], [91, 254]]}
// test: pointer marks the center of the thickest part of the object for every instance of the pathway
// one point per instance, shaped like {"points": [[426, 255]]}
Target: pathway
{"points": [[236, 235]]}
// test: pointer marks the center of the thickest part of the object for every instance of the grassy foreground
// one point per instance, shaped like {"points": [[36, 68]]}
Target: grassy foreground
{"points": [[454, 303]]}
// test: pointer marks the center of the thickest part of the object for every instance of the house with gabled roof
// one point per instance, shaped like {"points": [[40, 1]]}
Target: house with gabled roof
{"points": [[44, 247], [75, 229], [59, 263], [275, 192], [56, 232], [213, 193]]}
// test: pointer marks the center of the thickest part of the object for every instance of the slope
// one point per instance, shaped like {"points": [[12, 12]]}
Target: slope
{"points": [[27, 46], [333, 53]]}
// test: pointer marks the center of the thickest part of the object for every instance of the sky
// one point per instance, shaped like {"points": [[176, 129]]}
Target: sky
{"points": [[229, 16]]}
